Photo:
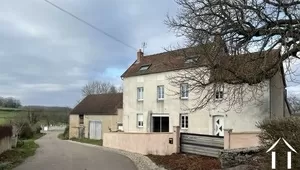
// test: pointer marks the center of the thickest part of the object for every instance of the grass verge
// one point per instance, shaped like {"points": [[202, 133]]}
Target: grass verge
{"points": [[89, 141], [12, 158]]}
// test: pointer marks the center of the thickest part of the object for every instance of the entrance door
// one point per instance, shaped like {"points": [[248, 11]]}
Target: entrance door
{"points": [[95, 130], [160, 123], [218, 125]]}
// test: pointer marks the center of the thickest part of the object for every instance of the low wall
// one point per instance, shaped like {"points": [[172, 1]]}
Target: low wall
{"points": [[6, 133], [144, 143], [233, 140], [5, 144]]}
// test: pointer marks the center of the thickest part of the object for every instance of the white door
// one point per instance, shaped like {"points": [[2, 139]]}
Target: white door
{"points": [[95, 130], [218, 125]]}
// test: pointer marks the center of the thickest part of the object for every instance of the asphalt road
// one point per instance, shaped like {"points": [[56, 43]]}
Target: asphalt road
{"points": [[56, 154]]}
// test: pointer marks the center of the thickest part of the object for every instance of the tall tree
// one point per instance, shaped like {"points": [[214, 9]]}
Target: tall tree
{"points": [[98, 87], [238, 27]]}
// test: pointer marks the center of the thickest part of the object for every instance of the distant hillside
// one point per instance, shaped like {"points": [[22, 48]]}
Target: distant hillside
{"points": [[47, 108]]}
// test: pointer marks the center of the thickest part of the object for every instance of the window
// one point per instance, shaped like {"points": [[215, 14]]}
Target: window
{"points": [[184, 91], [219, 92], [140, 120], [160, 93], [120, 126], [160, 123], [184, 121], [81, 119], [140, 93], [191, 59], [144, 67]]}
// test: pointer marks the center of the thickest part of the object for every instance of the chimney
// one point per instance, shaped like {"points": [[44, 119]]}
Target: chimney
{"points": [[140, 55]]}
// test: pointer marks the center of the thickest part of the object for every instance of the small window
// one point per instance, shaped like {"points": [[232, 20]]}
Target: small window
{"points": [[140, 93], [219, 92], [120, 126], [184, 121], [184, 91], [144, 67], [140, 120], [81, 119], [191, 59], [160, 93]]}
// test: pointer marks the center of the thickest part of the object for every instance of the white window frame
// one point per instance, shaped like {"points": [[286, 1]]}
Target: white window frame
{"points": [[219, 92], [119, 124], [140, 94], [184, 91], [139, 120], [185, 118], [160, 92]]}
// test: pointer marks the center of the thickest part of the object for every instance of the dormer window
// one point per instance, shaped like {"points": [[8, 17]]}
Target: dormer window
{"points": [[144, 67], [191, 59]]}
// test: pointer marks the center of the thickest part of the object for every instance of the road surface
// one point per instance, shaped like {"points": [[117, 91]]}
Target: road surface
{"points": [[56, 154]]}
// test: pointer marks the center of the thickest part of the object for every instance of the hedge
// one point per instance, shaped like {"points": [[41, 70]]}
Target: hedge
{"points": [[274, 129]]}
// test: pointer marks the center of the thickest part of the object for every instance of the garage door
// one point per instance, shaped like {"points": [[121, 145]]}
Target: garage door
{"points": [[95, 129]]}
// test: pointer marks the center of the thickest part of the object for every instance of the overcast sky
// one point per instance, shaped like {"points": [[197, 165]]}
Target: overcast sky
{"points": [[46, 56]]}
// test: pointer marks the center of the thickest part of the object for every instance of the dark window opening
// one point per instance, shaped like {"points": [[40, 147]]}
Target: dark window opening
{"points": [[81, 119], [160, 124]]}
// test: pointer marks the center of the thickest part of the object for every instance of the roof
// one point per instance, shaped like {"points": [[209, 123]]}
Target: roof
{"points": [[249, 64], [163, 62], [99, 104]]}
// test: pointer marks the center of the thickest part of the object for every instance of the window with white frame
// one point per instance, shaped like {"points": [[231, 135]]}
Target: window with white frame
{"points": [[184, 91], [219, 92], [140, 120], [160, 92], [140, 93], [184, 121], [144, 67]]}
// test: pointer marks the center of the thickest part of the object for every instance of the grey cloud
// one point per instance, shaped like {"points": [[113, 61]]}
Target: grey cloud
{"points": [[46, 56]]}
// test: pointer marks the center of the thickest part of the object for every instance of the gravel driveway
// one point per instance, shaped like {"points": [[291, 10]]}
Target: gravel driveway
{"points": [[56, 154]]}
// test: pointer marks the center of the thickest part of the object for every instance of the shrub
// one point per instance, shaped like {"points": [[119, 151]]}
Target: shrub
{"points": [[36, 128], [66, 132], [272, 130], [26, 132]]}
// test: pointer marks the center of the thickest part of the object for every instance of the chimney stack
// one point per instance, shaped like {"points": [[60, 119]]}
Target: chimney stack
{"points": [[140, 55]]}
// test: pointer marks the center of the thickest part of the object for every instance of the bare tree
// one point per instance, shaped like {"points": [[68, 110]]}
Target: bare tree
{"points": [[294, 102], [98, 87], [120, 89], [224, 34]]}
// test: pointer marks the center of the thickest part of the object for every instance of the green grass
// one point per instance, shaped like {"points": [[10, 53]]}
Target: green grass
{"points": [[12, 158], [7, 114], [89, 141]]}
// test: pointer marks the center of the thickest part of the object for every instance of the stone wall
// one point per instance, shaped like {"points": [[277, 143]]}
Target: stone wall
{"points": [[5, 144], [240, 157]]}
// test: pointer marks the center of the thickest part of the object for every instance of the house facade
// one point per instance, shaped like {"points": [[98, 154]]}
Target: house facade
{"points": [[95, 115], [151, 106]]}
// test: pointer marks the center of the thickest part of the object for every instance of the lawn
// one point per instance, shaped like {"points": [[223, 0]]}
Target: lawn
{"points": [[12, 158], [7, 114], [89, 141]]}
